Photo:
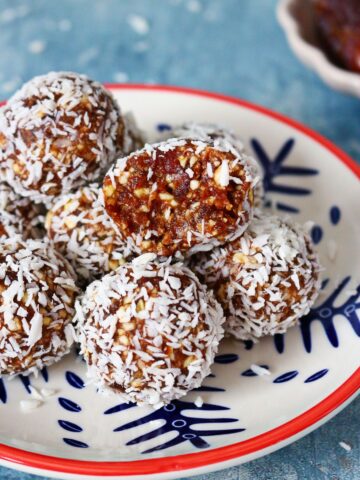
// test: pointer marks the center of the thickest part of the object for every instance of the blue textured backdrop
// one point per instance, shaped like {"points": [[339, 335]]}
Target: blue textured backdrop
{"points": [[229, 46]]}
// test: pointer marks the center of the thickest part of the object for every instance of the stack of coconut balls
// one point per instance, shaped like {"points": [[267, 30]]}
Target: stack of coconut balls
{"points": [[145, 255]]}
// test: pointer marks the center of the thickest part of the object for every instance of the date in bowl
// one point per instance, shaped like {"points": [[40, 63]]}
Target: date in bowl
{"points": [[296, 18]]}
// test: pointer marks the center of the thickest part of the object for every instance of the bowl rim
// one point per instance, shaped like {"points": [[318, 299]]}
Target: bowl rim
{"points": [[274, 438], [313, 57]]}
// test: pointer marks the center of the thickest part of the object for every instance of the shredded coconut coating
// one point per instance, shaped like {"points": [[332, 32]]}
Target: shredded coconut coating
{"points": [[79, 227], [214, 132], [266, 280], [180, 195], [37, 296], [28, 217], [61, 130], [149, 331], [206, 131]]}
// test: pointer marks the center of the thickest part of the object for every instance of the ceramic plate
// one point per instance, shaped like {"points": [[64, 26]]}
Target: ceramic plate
{"points": [[313, 370]]}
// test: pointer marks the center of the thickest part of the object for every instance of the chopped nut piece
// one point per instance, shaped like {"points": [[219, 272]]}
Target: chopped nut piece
{"points": [[194, 184]]}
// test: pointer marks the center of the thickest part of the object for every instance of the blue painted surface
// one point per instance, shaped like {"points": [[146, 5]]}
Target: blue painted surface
{"points": [[229, 46]]}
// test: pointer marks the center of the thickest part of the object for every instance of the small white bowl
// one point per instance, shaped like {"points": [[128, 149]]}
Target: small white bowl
{"points": [[297, 20]]}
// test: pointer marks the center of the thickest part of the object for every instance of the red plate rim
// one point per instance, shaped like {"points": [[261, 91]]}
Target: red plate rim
{"points": [[222, 454]]}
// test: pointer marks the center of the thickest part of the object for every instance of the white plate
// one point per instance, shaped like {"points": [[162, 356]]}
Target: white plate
{"points": [[297, 21], [314, 369]]}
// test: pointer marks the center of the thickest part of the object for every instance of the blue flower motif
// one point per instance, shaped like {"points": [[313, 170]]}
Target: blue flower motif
{"points": [[119, 408], [274, 168], [175, 421], [328, 310], [325, 313]]}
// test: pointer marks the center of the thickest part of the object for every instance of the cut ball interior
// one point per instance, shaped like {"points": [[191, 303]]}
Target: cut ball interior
{"points": [[180, 196]]}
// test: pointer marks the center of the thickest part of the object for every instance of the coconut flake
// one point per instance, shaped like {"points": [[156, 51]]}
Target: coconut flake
{"points": [[261, 371], [144, 259], [29, 405], [345, 446], [139, 24], [48, 392], [35, 329], [222, 176]]}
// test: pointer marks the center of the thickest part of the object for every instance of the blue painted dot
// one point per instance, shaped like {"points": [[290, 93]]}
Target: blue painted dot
{"points": [[188, 436], [163, 127], [3, 394], [248, 344], [285, 377], [45, 374], [316, 376], [75, 443], [335, 215], [26, 382], [69, 405], [69, 426], [226, 358], [74, 380], [178, 423], [119, 408], [316, 234]]}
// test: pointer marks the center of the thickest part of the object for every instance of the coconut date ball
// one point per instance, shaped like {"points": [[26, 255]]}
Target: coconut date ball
{"points": [[149, 331], [219, 133], [37, 296], [27, 216], [79, 227], [180, 196], [61, 131], [266, 280]]}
